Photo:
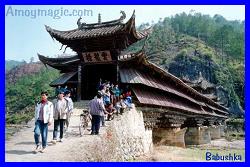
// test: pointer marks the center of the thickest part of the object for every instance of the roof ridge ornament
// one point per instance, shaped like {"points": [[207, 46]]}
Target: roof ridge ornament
{"points": [[79, 24], [99, 18], [48, 29], [123, 16]]}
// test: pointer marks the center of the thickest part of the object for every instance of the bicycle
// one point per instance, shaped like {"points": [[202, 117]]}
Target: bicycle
{"points": [[85, 118]]}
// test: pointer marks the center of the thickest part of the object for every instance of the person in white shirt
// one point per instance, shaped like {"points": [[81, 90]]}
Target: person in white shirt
{"points": [[43, 119], [70, 108], [60, 115]]}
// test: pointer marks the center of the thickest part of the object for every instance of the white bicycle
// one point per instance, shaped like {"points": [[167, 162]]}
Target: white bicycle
{"points": [[85, 118]]}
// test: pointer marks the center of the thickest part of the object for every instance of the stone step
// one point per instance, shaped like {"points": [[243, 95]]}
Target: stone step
{"points": [[77, 111], [81, 104]]}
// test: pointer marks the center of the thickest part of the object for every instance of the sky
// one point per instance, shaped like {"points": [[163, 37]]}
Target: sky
{"points": [[25, 33]]}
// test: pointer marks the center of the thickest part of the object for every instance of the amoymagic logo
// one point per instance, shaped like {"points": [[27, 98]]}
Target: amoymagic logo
{"points": [[228, 157], [55, 12]]}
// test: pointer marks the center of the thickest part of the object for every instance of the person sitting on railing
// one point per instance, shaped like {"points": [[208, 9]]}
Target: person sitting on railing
{"points": [[120, 105], [106, 96], [111, 111], [128, 101]]}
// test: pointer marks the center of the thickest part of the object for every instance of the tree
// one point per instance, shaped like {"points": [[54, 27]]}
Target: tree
{"points": [[31, 59]]}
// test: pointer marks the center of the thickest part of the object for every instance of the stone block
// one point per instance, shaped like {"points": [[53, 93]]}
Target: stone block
{"points": [[215, 132], [197, 135], [222, 130], [169, 136]]}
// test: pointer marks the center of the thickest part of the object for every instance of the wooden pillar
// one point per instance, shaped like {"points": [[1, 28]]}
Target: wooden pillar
{"points": [[79, 83], [117, 72], [118, 52]]}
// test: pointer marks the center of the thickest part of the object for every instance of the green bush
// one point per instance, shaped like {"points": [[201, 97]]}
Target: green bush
{"points": [[182, 53], [25, 93]]}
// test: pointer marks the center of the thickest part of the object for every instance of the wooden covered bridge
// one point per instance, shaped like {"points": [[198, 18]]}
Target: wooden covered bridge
{"points": [[176, 113]]}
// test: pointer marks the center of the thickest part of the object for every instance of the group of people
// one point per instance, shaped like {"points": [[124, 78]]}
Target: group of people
{"points": [[65, 88], [112, 93], [59, 111], [110, 100]]}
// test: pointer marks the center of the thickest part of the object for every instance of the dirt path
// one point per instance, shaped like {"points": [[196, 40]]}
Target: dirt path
{"points": [[74, 148], [195, 153]]}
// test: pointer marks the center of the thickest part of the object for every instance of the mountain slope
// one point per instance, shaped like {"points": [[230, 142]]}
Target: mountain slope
{"points": [[9, 64], [23, 87], [188, 49]]}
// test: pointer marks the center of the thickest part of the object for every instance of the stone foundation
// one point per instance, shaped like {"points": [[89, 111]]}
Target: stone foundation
{"points": [[169, 136], [215, 132], [222, 130], [197, 135], [126, 138]]}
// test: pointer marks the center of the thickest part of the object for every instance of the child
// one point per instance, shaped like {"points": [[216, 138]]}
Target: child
{"points": [[120, 105]]}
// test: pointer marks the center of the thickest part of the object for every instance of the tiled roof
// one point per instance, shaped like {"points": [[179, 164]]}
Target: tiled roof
{"points": [[64, 64], [159, 99], [98, 30], [129, 74], [62, 79], [84, 33]]}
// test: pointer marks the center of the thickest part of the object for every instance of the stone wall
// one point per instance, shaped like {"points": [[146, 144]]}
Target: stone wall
{"points": [[169, 136], [197, 135], [126, 138], [222, 130], [215, 132]]}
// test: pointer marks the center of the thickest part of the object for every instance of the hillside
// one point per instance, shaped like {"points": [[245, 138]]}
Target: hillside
{"points": [[20, 70], [9, 64], [24, 84], [194, 45]]}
